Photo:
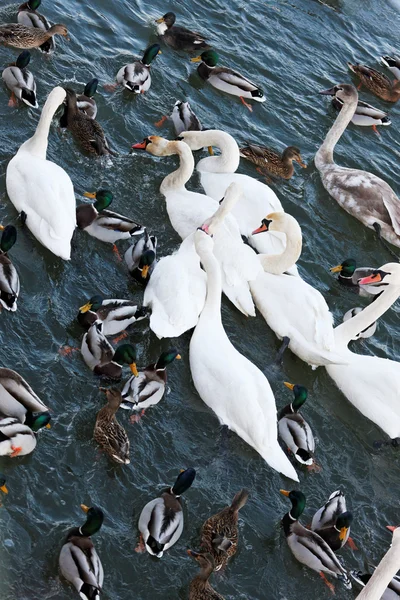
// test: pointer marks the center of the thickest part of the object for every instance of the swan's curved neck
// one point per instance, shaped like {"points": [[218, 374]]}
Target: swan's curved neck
{"points": [[382, 576], [37, 144], [227, 161], [279, 263], [177, 179], [324, 155], [212, 306]]}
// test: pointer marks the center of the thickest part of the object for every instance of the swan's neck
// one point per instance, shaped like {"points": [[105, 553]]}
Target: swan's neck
{"points": [[382, 576], [177, 179], [280, 263], [212, 306], [324, 155], [37, 144], [227, 161]]}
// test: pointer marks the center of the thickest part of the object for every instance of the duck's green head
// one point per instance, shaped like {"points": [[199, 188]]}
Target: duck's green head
{"points": [[346, 269], [343, 523], [209, 57], [298, 501], [40, 420], [94, 303], [103, 198], [3, 486], [125, 354], [166, 358], [94, 520], [150, 54], [34, 4], [8, 238], [183, 481], [23, 59], [91, 88], [300, 395], [146, 260]]}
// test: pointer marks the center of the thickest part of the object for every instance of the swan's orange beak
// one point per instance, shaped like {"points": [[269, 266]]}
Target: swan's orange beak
{"points": [[140, 145], [262, 228], [374, 278], [391, 528]]}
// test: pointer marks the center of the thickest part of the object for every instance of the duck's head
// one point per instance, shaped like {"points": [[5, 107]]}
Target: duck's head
{"points": [[168, 19], [91, 88], [209, 57], [343, 91], [157, 146], [183, 481], [300, 395], [60, 29], [388, 274], [166, 358], [292, 153], [343, 523], [346, 268], [298, 501], [94, 520], [94, 303], [205, 560], [113, 396], [103, 199], [146, 260], [3, 486], [150, 54], [23, 59], [39, 421], [125, 354], [8, 237]]}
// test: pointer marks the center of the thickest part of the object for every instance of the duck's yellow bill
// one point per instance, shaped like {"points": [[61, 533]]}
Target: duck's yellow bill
{"points": [[178, 357], [48, 426], [90, 194], [288, 385], [342, 533], [145, 271], [336, 269], [2, 227], [284, 492], [85, 308], [210, 150], [85, 508], [196, 59], [4, 489], [161, 20], [134, 370]]}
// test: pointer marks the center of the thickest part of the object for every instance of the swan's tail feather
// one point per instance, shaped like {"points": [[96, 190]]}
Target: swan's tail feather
{"points": [[240, 296], [277, 459]]}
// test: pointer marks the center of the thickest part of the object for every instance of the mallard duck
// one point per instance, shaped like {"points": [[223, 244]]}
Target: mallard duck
{"points": [[227, 80], [377, 82], [161, 520], [141, 258], [365, 115], [148, 388], [28, 16], [86, 131], [79, 562], [366, 333], [220, 534], [9, 280], [392, 592], [332, 521], [103, 224], [20, 81], [293, 430], [3, 486], [307, 546], [116, 315], [17, 398], [200, 588], [349, 276], [110, 434], [179, 38], [271, 161], [393, 64], [16, 438], [85, 102], [135, 76], [100, 356], [15, 35], [183, 118]]}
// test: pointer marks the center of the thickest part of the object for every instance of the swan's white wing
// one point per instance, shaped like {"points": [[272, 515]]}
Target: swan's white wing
{"points": [[392, 204]]}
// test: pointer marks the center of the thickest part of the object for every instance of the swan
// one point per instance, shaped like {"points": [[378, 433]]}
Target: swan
{"points": [[189, 210], [295, 311], [235, 389], [217, 172], [41, 189], [370, 383], [375, 589], [363, 195]]}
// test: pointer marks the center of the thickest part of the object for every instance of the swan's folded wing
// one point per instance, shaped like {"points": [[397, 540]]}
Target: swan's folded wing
{"points": [[392, 205]]}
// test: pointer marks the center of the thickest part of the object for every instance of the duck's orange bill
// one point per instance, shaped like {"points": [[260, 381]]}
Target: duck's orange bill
{"points": [[289, 385], [89, 194], [4, 489], [84, 508], [336, 269], [134, 370], [342, 533], [284, 492]]}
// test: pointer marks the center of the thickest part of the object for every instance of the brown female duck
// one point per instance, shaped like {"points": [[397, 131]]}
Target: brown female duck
{"points": [[16, 35], [200, 588], [86, 131], [108, 433], [219, 535], [377, 82], [272, 162]]}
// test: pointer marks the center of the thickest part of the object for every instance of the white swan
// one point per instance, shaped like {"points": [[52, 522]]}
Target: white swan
{"points": [[234, 388], [363, 195], [217, 172], [293, 308], [370, 383], [189, 210], [375, 589], [41, 189]]}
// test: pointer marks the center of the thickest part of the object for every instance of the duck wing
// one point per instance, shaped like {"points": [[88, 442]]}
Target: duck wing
{"points": [[233, 78]]}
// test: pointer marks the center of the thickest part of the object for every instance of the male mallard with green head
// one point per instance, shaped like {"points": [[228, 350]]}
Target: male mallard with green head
{"points": [[332, 522], [135, 76], [17, 439], [349, 276], [20, 81], [293, 430]]}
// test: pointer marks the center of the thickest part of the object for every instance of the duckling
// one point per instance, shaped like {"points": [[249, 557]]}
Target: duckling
{"points": [[294, 431], [20, 81], [108, 432], [85, 102], [148, 388], [349, 276], [100, 356], [182, 117], [220, 534], [179, 38], [307, 546], [87, 132], [161, 520], [79, 562], [377, 82], [271, 161], [17, 398], [9, 280], [15, 35], [3, 486], [366, 333], [227, 80], [365, 115], [17, 439], [141, 258], [28, 16], [116, 315], [103, 224], [332, 521], [393, 64], [135, 76], [200, 588]]}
